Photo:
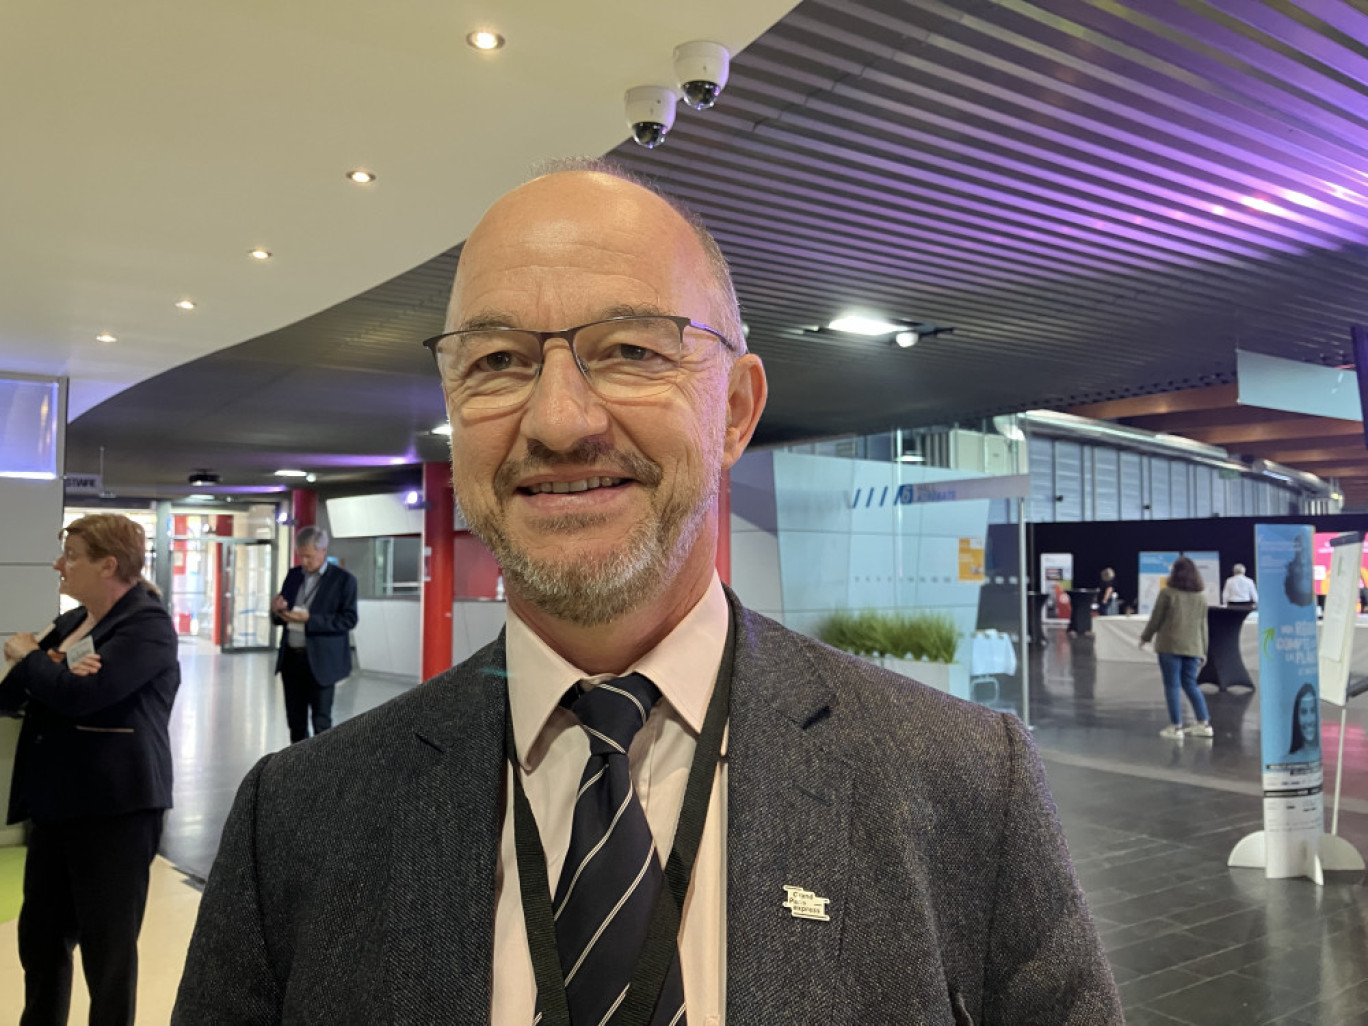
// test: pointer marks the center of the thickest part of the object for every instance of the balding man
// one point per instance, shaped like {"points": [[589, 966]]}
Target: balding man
{"points": [[560, 830]]}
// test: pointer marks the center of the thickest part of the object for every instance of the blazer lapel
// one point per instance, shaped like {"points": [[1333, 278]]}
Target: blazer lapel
{"points": [[444, 849], [789, 799]]}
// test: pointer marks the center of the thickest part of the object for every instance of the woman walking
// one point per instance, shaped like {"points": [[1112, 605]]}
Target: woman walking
{"points": [[1178, 627]]}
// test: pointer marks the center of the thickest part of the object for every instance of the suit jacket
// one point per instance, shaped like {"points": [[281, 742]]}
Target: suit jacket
{"points": [[332, 614], [96, 745], [355, 881]]}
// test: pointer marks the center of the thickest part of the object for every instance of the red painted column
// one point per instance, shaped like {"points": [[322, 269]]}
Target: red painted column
{"points": [[223, 528], [724, 528], [304, 513], [439, 527]]}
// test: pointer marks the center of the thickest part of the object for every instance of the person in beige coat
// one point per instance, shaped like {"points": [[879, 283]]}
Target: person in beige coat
{"points": [[1178, 627]]}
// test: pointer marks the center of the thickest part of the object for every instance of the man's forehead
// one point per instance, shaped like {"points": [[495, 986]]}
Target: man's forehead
{"points": [[587, 237]]}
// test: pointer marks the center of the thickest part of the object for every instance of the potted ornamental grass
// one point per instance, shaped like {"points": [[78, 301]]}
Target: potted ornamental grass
{"points": [[917, 645]]}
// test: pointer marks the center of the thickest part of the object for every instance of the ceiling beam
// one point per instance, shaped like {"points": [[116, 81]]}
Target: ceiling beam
{"points": [[1349, 471], [1286, 450], [1185, 401], [1178, 423], [1232, 435]]}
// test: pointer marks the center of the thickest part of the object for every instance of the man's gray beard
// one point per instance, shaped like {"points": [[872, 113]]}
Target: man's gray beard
{"points": [[588, 595]]}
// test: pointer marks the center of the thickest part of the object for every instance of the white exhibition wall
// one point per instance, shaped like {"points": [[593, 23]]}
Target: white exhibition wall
{"points": [[814, 534]]}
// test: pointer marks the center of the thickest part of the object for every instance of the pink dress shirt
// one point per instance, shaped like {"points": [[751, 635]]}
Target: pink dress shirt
{"points": [[552, 751]]}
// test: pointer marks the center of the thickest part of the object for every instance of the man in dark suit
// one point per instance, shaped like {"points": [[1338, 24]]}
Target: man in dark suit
{"points": [[317, 608], [489, 847]]}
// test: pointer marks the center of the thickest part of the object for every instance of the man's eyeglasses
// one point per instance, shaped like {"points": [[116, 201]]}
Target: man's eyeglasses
{"points": [[621, 358]]}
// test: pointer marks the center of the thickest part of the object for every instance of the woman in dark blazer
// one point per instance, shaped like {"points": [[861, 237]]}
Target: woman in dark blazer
{"points": [[92, 771]]}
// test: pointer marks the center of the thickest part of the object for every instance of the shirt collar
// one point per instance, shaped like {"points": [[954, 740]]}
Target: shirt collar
{"points": [[683, 666]]}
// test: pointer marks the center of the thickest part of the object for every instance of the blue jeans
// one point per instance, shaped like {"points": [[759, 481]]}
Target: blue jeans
{"points": [[1180, 673]]}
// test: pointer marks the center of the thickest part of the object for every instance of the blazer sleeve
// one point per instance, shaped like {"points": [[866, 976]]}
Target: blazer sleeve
{"points": [[289, 588], [229, 977], [137, 651], [1156, 620], [1045, 962], [341, 617]]}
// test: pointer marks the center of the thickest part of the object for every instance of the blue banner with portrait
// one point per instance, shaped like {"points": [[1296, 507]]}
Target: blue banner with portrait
{"points": [[1290, 702]]}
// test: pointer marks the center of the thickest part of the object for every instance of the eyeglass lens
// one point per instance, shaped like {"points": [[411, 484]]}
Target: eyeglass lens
{"points": [[625, 358]]}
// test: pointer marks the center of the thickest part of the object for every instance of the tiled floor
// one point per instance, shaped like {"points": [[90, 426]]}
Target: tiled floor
{"points": [[1150, 824]]}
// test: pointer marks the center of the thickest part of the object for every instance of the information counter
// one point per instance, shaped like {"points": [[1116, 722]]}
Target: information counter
{"points": [[1117, 639]]}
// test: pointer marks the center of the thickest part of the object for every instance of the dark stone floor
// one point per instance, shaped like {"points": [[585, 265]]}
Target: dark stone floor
{"points": [[1150, 824]]}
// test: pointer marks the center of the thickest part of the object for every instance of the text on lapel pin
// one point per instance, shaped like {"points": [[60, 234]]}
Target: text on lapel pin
{"points": [[804, 904]]}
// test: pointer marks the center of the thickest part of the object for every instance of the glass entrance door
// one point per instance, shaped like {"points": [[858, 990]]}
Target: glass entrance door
{"points": [[246, 576]]}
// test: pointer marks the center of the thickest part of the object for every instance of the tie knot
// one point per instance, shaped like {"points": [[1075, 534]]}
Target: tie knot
{"points": [[612, 712]]}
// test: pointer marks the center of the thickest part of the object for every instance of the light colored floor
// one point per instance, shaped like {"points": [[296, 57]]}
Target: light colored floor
{"points": [[171, 907]]}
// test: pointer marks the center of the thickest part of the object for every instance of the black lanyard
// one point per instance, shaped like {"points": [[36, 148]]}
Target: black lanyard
{"points": [[661, 937], [308, 593]]}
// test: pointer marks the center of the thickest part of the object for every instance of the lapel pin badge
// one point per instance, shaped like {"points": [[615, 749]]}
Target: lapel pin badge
{"points": [[804, 904]]}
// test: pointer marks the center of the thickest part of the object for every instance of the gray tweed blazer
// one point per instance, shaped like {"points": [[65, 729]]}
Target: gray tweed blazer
{"points": [[355, 880]]}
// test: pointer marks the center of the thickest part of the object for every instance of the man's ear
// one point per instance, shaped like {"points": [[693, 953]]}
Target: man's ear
{"points": [[747, 390]]}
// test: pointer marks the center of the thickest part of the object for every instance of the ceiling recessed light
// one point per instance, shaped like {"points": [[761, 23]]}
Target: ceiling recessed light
{"points": [[259, 254], [861, 324], [310, 478], [398, 461], [361, 177], [442, 429], [105, 336], [185, 304], [485, 40], [907, 339], [291, 473]]}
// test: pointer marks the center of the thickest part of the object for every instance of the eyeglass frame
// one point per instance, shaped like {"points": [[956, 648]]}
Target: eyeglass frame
{"points": [[568, 335]]}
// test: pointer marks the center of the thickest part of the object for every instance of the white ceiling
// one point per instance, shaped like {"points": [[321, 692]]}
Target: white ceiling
{"points": [[149, 144]]}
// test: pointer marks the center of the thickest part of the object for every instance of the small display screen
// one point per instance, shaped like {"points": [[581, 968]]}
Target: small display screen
{"points": [[28, 428]]}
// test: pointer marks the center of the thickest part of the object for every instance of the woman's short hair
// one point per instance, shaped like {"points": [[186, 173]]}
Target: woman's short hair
{"points": [[112, 534], [1184, 575]]}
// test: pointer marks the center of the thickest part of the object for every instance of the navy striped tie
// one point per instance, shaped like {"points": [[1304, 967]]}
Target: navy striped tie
{"points": [[611, 875]]}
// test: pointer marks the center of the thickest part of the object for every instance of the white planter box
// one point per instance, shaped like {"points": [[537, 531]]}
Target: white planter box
{"points": [[952, 678]]}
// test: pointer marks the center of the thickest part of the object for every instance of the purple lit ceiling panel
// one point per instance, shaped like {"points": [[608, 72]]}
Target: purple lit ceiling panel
{"points": [[1103, 197]]}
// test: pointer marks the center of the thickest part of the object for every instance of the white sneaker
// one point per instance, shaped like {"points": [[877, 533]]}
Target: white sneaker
{"points": [[1201, 730], [1172, 731]]}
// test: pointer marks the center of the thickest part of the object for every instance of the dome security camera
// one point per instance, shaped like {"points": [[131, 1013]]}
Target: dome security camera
{"points": [[701, 68], [651, 114]]}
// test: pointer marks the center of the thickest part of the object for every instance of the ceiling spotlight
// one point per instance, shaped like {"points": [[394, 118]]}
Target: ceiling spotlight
{"points": [[650, 113], [259, 254], [361, 177], [485, 40], [907, 339], [291, 473], [105, 336], [185, 304], [442, 429], [311, 478], [860, 324], [204, 478], [701, 71]]}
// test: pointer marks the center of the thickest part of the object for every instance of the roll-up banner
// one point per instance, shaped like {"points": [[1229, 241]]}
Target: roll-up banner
{"points": [[1154, 571], [1056, 579], [1290, 701]]}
